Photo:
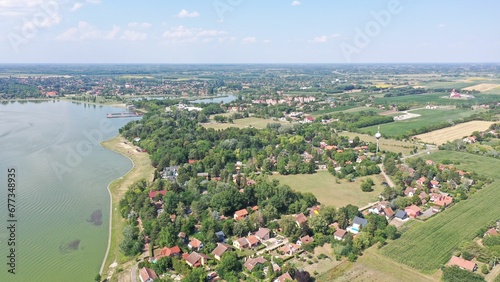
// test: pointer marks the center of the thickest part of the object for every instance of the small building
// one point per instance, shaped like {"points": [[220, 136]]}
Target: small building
{"points": [[251, 263], [175, 251], [300, 219], [195, 244], [153, 194], [241, 214], [412, 211], [289, 249], [401, 214], [241, 243], [220, 236], [284, 277], [195, 259], [491, 232], [389, 213], [305, 240], [220, 250], [357, 224], [147, 274], [462, 263], [263, 234], [339, 234]]}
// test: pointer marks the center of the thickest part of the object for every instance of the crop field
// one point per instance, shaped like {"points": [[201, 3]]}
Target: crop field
{"points": [[362, 109], [385, 144], [444, 135], [428, 246], [322, 184], [437, 99], [258, 123], [482, 87], [332, 110], [448, 84], [428, 117]]}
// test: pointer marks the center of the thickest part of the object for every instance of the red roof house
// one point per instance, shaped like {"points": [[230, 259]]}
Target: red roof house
{"points": [[462, 263]]}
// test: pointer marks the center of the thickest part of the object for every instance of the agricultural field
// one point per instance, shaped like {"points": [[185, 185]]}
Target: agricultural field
{"points": [[447, 84], [323, 185], [483, 87], [385, 144], [438, 99], [428, 246], [258, 123], [362, 109], [372, 266], [428, 117], [332, 110], [458, 131]]}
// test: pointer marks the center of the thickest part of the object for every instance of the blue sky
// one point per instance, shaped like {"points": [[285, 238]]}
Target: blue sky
{"points": [[248, 31]]}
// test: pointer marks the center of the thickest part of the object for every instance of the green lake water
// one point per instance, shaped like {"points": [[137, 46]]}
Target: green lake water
{"points": [[62, 176]]}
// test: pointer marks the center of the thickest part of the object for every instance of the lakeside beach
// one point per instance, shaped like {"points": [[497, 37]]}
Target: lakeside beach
{"points": [[141, 169]]}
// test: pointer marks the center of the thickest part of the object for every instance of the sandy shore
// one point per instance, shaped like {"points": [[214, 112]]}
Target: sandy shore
{"points": [[141, 169]]}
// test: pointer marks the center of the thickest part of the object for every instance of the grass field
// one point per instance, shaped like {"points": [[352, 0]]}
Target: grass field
{"points": [[428, 246], [441, 136], [448, 84], [385, 144], [322, 184], [428, 117], [258, 123], [374, 267], [332, 110]]}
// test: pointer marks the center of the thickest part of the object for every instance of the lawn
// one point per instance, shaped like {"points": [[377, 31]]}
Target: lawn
{"points": [[428, 246], [428, 117], [258, 123], [323, 185]]}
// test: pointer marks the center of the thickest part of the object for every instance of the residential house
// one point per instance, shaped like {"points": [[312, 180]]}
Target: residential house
{"points": [[220, 250], [300, 219], [263, 234], [423, 197], [175, 251], [412, 211], [435, 184], [290, 249], [409, 192], [389, 213], [421, 181], [195, 259], [401, 214], [251, 263], [314, 210], [253, 241], [462, 263], [147, 274], [153, 194], [441, 200], [305, 240], [241, 243], [491, 232], [339, 234], [182, 236], [284, 277], [241, 214], [357, 224], [429, 162], [195, 244], [220, 236]]}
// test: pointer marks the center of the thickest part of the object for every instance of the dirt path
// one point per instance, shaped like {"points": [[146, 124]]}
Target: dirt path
{"points": [[387, 179]]}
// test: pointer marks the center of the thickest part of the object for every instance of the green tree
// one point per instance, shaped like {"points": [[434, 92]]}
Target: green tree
{"points": [[229, 264]]}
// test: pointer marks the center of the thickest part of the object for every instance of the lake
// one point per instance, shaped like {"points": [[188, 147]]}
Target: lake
{"points": [[62, 202]]}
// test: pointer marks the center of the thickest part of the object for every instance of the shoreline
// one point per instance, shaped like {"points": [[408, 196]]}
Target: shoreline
{"points": [[141, 168]]}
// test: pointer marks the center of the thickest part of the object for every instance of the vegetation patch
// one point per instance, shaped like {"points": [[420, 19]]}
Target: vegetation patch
{"points": [[96, 218], [69, 246]]}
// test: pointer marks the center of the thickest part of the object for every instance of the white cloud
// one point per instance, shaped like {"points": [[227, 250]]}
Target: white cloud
{"points": [[85, 31], [132, 35], [248, 40], [185, 14], [76, 6], [320, 39], [296, 3], [139, 25], [441, 25], [266, 41], [183, 34]]}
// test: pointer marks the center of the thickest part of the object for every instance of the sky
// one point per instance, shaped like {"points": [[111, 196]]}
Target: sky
{"points": [[248, 31]]}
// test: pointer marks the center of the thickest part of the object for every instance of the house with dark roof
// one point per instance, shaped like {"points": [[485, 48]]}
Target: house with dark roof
{"points": [[401, 214], [220, 236]]}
